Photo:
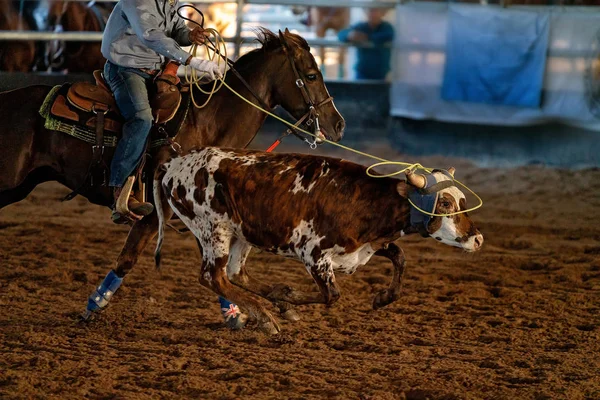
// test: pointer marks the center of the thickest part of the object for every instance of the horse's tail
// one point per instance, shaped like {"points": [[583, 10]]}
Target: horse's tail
{"points": [[159, 212]]}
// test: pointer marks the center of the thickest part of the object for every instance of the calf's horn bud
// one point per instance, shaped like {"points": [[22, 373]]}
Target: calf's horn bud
{"points": [[417, 180]]}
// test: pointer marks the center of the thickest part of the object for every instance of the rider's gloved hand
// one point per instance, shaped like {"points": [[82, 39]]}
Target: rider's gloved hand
{"points": [[198, 35], [209, 67]]}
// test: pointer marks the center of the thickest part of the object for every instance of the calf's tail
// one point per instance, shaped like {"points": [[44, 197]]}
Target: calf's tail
{"points": [[161, 216]]}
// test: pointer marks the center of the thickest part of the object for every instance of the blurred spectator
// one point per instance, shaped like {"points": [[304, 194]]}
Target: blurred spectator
{"points": [[372, 62]]}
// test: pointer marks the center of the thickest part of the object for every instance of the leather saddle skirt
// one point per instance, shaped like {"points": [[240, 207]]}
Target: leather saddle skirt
{"points": [[81, 102]]}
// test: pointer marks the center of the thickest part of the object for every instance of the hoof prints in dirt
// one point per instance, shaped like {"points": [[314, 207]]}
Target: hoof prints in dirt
{"points": [[517, 320]]}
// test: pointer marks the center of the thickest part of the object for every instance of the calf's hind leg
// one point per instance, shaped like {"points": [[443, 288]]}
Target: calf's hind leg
{"points": [[323, 276], [246, 281], [391, 294], [239, 276]]}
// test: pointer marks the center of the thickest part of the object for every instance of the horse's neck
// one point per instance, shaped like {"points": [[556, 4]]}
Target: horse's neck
{"points": [[228, 121]]}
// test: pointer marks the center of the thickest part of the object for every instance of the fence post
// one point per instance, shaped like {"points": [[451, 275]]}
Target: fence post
{"points": [[239, 19]]}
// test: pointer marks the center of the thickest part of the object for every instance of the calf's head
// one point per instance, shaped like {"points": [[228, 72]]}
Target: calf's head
{"points": [[455, 230]]}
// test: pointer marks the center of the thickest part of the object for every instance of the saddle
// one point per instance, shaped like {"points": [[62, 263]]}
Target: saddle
{"points": [[88, 111], [97, 98]]}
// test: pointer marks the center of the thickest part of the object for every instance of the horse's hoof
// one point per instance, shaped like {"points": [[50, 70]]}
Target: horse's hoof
{"points": [[85, 317], [384, 298], [237, 323], [291, 315]]}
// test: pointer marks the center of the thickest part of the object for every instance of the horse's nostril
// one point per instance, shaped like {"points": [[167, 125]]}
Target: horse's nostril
{"points": [[340, 126]]}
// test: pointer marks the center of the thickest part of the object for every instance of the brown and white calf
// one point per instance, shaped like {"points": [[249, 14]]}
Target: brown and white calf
{"points": [[325, 212]]}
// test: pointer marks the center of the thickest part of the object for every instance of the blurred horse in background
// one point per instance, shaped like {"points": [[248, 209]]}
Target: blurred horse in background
{"points": [[66, 16], [323, 19], [17, 56]]}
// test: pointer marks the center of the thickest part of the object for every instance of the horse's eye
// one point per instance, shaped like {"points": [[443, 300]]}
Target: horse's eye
{"points": [[311, 77]]}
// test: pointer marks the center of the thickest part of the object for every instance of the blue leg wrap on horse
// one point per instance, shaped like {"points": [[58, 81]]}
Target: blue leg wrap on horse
{"points": [[104, 292], [228, 309]]}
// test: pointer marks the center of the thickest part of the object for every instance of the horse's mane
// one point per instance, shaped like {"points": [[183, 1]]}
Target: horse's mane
{"points": [[269, 42]]}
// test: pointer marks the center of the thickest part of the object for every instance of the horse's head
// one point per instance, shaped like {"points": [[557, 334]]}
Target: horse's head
{"points": [[300, 86]]}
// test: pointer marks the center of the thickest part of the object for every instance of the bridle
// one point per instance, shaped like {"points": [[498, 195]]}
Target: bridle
{"points": [[309, 118], [312, 115]]}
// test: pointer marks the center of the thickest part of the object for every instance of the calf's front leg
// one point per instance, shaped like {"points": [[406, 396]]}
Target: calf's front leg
{"points": [[213, 275], [391, 294]]}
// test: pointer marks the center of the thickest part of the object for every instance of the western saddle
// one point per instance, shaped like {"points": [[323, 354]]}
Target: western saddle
{"points": [[93, 107], [91, 104]]}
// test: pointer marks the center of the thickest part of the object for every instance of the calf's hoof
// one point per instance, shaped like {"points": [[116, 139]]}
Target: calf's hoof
{"points": [[280, 292], [291, 315], [269, 326], [384, 298]]}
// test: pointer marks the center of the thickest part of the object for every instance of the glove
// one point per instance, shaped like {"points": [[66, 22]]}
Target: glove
{"points": [[197, 35], [207, 66]]}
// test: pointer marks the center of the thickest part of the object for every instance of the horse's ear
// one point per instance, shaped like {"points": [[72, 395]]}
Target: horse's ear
{"points": [[287, 31], [283, 41]]}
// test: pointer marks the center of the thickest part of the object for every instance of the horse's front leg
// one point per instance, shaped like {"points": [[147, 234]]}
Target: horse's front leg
{"points": [[140, 235], [391, 294]]}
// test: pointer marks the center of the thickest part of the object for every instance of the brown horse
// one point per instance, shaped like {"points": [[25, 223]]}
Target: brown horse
{"points": [[325, 18], [30, 154], [15, 56], [77, 16]]}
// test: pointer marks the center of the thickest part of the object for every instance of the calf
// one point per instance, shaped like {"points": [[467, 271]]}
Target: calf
{"points": [[325, 212]]}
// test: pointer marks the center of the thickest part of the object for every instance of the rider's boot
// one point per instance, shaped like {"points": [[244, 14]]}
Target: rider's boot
{"points": [[234, 318], [136, 207], [102, 295]]}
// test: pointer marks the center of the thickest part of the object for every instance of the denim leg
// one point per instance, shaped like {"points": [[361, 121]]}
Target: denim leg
{"points": [[131, 95]]}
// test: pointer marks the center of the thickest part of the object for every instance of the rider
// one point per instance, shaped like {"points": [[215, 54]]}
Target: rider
{"points": [[139, 37]]}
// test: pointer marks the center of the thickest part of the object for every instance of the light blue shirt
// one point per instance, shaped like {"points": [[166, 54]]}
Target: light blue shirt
{"points": [[143, 33]]}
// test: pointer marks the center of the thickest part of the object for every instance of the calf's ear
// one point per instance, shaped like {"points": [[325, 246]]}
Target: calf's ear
{"points": [[403, 189]]}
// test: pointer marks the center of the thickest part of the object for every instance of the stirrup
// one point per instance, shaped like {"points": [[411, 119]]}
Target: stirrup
{"points": [[122, 205]]}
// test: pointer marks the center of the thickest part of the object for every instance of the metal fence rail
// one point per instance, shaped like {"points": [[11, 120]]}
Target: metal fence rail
{"points": [[97, 37], [238, 40]]}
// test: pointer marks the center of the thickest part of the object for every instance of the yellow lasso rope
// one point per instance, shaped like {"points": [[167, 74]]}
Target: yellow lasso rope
{"points": [[222, 49], [194, 80]]}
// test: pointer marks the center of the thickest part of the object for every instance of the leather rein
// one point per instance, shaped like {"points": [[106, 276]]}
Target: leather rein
{"points": [[311, 116]]}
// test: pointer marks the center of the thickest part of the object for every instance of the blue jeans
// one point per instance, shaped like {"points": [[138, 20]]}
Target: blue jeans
{"points": [[129, 87]]}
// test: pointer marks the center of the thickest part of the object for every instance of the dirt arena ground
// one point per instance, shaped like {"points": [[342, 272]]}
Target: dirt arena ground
{"points": [[520, 319]]}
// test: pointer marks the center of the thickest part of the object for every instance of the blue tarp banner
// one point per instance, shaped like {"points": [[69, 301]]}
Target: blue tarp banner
{"points": [[495, 56]]}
